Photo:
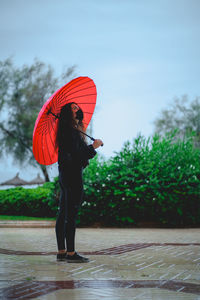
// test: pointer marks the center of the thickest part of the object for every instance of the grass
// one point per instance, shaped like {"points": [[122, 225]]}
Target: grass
{"points": [[24, 218]]}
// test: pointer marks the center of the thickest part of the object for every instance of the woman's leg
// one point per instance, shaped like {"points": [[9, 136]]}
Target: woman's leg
{"points": [[60, 221], [73, 204], [71, 184]]}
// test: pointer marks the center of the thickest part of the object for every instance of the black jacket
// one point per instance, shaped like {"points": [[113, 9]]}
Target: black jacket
{"points": [[73, 150]]}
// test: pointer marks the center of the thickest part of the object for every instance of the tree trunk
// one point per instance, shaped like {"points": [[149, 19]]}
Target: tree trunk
{"points": [[45, 173]]}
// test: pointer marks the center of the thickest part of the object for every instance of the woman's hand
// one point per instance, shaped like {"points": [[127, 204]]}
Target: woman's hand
{"points": [[97, 143]]}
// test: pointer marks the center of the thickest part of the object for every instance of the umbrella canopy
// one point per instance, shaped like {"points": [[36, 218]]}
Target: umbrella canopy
{"points": [[15, 181], [80, 90]]}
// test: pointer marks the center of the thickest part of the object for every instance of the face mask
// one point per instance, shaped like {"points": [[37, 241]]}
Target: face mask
{"points": [[79, 115]]}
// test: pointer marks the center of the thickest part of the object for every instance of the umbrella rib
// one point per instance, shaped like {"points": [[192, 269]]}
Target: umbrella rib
{"points": [[53, 131], [78, 85], [42, 126], [82, 96], [87, 103], [47, 147], [78, 80], [53, 107], [42, 148], [42, 140], [53, 104], [87, 88], [90, 103], [37, 145], [69, 90], [60, 104], [53, 144]]}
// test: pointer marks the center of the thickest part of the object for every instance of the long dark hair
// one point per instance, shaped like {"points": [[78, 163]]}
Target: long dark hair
{"points": [[66, 122]]}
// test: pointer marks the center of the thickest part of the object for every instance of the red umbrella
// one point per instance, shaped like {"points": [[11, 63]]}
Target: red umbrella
{"points": [[81, 90]]}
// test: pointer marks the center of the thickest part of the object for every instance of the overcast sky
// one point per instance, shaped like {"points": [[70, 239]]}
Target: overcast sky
{"points": [[140, 53]]}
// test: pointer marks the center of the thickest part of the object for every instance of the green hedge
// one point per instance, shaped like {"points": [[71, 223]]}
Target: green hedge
{"points": [[156, 180], [27, 202]]}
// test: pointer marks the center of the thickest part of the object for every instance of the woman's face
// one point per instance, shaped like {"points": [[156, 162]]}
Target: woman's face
{"points": [[75, 108]]}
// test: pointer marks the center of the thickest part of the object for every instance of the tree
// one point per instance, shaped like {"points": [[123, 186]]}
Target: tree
{"points": [[178, 116], [23, 91]]}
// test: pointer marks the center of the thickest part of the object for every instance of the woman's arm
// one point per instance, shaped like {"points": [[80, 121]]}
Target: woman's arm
{"points": [[79, 149]]}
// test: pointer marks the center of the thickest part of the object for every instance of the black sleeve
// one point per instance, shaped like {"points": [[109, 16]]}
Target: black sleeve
{"points": [[79, 149]]}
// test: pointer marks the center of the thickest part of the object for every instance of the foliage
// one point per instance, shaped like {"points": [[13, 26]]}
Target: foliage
{"points": [[26, 202], [153, 180], [23, 91], [178, 115]]}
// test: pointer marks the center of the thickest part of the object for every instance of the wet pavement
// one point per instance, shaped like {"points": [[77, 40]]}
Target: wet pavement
{"points": [[124, 264]]}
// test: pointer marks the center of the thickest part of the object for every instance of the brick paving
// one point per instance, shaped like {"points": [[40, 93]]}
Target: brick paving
{"points": [[124, 264]]}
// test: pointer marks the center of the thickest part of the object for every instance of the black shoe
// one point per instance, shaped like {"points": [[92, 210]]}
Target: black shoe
{"points": [[61, 256], [76, 258]]}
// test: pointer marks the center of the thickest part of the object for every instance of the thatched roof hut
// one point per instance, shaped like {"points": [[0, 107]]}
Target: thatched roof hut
{"points": [[37, 180], [17, 181]]}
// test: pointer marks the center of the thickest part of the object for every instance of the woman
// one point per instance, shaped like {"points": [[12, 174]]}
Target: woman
{"points": [[73, 156]]}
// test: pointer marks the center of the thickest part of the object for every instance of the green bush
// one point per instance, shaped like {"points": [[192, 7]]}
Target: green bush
{"points": [[27, 202], [155, 180]]}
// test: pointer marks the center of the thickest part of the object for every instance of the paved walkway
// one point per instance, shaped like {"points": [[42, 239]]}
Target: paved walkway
{"points": [[124, 264]]}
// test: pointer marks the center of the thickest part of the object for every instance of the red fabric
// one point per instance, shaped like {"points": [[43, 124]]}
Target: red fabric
{"points": [[81, 90]]}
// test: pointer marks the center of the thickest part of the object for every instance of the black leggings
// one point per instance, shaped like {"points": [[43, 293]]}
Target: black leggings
{"points": [[71, 188]]}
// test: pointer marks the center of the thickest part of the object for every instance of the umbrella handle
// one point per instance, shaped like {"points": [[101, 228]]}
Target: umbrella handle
{"points": [[88, 136]]}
